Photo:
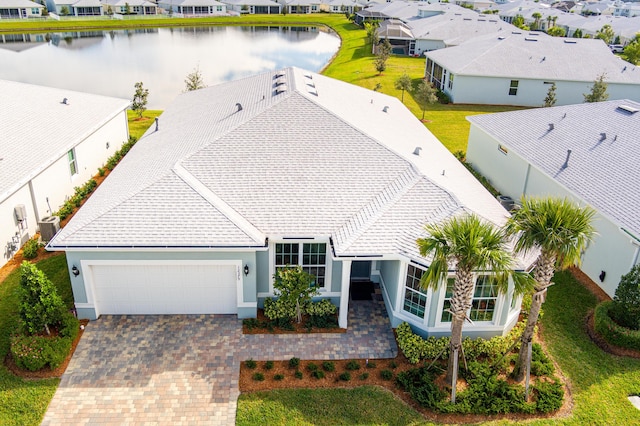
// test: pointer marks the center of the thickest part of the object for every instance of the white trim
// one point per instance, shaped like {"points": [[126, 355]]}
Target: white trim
{"points": [[328, 268], [401, 294], [84, 305], [89, 284], [156, 249], [325, 295], [344, 294], [247, 305]]}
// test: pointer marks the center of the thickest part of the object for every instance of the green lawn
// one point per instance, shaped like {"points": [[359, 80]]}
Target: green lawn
{"points": [[24, 402], [138, 127]]}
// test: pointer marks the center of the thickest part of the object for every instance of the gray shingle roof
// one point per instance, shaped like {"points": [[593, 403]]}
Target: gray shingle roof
{"points": [[322, 158], [603, 139], [518, 55], [38, 129]]}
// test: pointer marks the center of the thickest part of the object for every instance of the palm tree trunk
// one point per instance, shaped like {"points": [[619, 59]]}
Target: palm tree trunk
{"points": [[545, 267], [460, 304]]}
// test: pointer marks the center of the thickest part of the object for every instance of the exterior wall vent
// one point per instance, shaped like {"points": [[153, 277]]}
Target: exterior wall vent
{"points": [[49, 226]]}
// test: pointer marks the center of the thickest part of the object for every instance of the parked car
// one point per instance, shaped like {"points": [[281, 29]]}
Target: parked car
{"points": [[616, 48]]}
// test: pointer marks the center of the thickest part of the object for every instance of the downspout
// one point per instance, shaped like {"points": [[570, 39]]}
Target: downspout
{"points": [[33, 201], [526, 180]]}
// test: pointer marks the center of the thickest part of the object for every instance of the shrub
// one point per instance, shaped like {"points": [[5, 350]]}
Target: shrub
{"points": [[443, 98], [371, 364], [298, 374], [40, 304], [611, 331], [322, 308], [625, 309], [101, 171], [386, 374], [312, 367], [364, 376], [34, 353], [419, 382], [345, 377], [294, 362], [275, 309], [541, 365], [318, 374], [30, 249], [328, 366], [258, 377], [250, 363], [268, 365], [549, 396], [251, 323], [353, 365], [278, 377], [393, 365], [69, 326]]}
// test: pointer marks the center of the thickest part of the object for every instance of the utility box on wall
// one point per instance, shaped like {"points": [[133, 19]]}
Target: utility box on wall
{"points": [[21, 213], [48, 227]]}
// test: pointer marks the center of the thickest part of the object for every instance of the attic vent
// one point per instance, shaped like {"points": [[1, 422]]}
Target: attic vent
{"points": [[466, 19], [385, 109], [417, 151], [569, 41], [281, 81], [530, 39], [629, 109], [551, 126], [64, 101], [279, 74], [516, 32], [239, 107], [501, 38], [281, 89], [603, 136]]}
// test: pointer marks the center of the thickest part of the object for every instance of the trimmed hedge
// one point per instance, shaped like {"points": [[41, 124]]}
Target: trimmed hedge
{"points": [[612, 332], [30, 249]]}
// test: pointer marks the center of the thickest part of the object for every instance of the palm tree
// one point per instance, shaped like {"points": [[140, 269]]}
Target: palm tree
{"points": [[561, 230], [467, 244]]}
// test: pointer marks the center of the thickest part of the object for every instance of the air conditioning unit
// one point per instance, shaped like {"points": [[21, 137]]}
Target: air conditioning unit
{"points": [[48, 227]]}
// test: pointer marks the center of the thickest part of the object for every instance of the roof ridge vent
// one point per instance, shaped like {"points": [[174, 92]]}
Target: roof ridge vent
{"points": [[629, 109]]}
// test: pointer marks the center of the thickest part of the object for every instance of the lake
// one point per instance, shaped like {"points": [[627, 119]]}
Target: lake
{"points": [[111, 62]]}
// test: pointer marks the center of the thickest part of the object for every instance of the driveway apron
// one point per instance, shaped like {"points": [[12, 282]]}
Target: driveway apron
{"points": [[183, 369]]}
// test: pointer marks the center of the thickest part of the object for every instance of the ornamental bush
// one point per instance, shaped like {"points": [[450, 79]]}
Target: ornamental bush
{"points": [[40, 305], [322, 308], [30, 249], [611, 331], [34, 353], [625, 309]]}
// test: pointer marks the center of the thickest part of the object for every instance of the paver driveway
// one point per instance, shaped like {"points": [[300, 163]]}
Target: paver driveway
{"points": [[183, 369]]}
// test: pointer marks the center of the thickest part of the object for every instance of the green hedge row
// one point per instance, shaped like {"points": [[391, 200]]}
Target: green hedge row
{"points": [[416, 348], [612, 332]]}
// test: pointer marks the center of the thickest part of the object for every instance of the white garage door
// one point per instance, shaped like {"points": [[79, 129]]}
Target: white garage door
{"points": [[165, 289]]}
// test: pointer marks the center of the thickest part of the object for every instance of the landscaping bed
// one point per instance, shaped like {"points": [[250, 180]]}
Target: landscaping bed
{"points": [[263, 325]]}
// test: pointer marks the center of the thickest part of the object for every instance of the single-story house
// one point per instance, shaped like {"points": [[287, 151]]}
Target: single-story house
{"points": [[402, 10], [76, 7], [283, 168], [70, 135], [586, 152], [518, 67], [194, 7], [265, 7], [344, 6], [20, 9], [132, 7], [301, 6]]}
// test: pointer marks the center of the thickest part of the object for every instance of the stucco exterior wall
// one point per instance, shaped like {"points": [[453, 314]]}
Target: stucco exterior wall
{"points": [[9, 226], [612, 250]]}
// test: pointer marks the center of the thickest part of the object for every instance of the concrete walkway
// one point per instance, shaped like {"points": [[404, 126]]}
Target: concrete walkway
{"points": [[183, 369]]}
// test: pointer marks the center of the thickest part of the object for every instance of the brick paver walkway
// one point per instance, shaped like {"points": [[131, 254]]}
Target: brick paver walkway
{"points": [[183, 369]]}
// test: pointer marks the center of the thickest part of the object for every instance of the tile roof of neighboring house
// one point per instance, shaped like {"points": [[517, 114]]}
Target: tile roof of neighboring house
{"points": [[19, 3], [603, 166], [523, 54], [280, 154], [38, 129]]}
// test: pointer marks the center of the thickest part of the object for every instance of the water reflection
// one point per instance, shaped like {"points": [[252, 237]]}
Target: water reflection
{"points": [[110, 62]]}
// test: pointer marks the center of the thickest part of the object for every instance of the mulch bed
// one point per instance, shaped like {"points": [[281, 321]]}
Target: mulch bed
{"points": [[45, 373], [297, 328]]}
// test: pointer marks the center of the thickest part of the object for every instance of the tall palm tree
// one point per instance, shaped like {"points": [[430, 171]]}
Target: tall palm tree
{"points": [[561, 230], [467, 244]]}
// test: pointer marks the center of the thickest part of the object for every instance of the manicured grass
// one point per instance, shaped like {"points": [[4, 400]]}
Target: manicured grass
{"points": [[137, 127], [359, 406], [24, 402]]}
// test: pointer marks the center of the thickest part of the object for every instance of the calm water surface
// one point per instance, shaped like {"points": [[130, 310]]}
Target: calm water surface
{"points": [[111, 62]]}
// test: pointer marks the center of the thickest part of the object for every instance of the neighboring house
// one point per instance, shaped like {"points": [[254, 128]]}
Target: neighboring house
{"points": [[586, 152], [479, 5], [133, 7], [302, 6], [76, 7], [20, 9], [402, 10], [254, 7], [193, 7], [598, 8], [628, 9], [282, 168], [518, 67], [48, 147], [345, 6], [437, 32]]}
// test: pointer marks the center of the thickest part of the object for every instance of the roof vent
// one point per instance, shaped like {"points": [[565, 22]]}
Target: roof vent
{"points": [[551, 126], [603, 136], [501, 38], [385, 109], [417, 151], [280, 81], [65, 101], [629, 109], [516, 32], [569, 41], [281, 89], [278, 74], [239, 107], [530, 39], [566, 162]]}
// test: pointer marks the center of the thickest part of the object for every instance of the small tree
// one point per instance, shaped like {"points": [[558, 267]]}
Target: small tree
{"points": [[383, 52], [425, 95], [127, 9], [598, 92], [139, 102], [536, 20], [606, 34], [632, 50], [557, 32], [40, 304], [550, 99], [518, 21], [403, 83], [194, 80], [577, 33], [64, 11], [294, 287], [625, 309]]}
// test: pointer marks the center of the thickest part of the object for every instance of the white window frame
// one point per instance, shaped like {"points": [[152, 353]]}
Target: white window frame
{"points": [[301, 242], [514, 87], [406, 288], [497, 309], [72, 161]]}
